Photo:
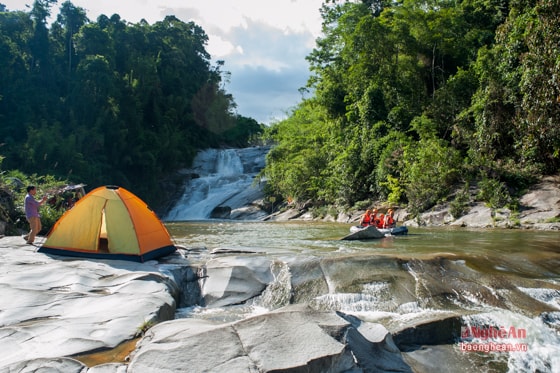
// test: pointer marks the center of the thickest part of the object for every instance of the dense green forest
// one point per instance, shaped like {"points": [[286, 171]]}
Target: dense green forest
{"points": [[414, 101], [107, 101]]}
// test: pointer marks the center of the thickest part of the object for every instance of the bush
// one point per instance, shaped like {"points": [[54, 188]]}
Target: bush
{"points": [[15, 184], [431, 168], [459, 206], [494, 193]]}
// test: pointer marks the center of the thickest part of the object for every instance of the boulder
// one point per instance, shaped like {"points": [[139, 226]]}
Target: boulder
{"points": [[234, 280], [541, 204], [220, 212]]}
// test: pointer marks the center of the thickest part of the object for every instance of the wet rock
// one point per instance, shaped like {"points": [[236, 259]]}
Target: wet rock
{"points": [[541, 204], [187, 279], [552, 319], [539, 209], [373, 347], [441, 282], [403, 312], [220, 212], [255, 210], [307, 280], [479, 216], [442, 330], [287, 215], [222, 250], [449, 358], [197, 344]]}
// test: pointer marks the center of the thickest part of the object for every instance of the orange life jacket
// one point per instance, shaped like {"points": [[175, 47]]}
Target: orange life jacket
{"points": [[389, 221]]}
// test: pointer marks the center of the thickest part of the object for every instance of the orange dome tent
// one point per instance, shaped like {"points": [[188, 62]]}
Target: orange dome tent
{"points": [[109, 223]]}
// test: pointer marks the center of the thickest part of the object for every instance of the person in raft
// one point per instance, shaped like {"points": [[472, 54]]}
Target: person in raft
{"points": [[379, 220], [32, 214], [370, 218], [389, 221], [367, 218]]}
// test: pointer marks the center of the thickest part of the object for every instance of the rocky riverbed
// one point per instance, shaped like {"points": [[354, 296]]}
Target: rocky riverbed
{"points": [[57, 311], [539, 209]]}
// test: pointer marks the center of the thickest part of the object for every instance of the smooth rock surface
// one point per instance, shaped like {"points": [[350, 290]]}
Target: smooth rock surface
{"points": [[291, 339], [406, 310], [234, 280], [53, 307]]}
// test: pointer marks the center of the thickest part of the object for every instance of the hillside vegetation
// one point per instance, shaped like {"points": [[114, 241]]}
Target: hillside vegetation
{"points": [[107, 101], [411, 102]]}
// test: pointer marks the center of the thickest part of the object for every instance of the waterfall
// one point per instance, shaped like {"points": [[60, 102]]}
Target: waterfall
{"points": [[219, 178]]}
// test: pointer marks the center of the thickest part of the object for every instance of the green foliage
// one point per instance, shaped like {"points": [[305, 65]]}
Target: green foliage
{"points": [[407, 97], [494, 193], [144, 327], [292, 165], [459, 206], [431, 167], [396, 191], [110, 102], [515, 107], [15, 183], [49, 216], [414, 96], [246, 131]]}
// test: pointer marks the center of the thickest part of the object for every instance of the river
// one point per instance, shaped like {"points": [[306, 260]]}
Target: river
{"points": [[497, 278], [493, 281]]}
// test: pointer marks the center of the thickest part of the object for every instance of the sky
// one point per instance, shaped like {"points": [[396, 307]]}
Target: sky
{"points": [[262, 42]]}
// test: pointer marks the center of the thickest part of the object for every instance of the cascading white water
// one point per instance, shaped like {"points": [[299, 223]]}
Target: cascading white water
{"points": [[222, 177]]}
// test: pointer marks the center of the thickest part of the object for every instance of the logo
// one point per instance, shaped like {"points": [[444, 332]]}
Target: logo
{"points": [[492, 339]]}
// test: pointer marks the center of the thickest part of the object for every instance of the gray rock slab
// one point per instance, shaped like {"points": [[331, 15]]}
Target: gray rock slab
{"points": [[233, 280], [190, 345], [541, 204], [449, 358], [58, 365], [374, 349], [290, 339], [295, 337], [60, 306]]}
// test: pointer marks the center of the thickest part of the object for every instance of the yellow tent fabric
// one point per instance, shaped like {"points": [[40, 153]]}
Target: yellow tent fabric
{"points": [[112, 223]]}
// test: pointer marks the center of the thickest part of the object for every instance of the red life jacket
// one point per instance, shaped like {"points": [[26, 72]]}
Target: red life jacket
{"points": [[367, 220], [378, 222]]}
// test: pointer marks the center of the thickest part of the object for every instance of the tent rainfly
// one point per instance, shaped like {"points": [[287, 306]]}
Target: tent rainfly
{"points": [[109, 223]]}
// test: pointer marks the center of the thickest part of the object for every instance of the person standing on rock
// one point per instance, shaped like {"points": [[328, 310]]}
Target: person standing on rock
{"points": [[32, 214]]}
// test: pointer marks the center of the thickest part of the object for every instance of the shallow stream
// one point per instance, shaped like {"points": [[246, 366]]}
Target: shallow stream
{"points": [[490, 278]]}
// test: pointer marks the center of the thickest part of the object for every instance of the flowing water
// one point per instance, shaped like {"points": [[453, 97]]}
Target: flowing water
{"points": [[218, 178], [491, 279], [500, 261]]}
